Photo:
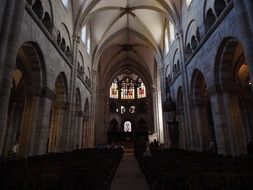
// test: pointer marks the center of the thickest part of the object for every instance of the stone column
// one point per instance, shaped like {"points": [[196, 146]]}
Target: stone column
{"points": [[234, 122], [198, 126], [8, 53], [246, 33], [42, 135], [72, 94], [220, 125], [182, 130], [185, 92], [6, 29]]}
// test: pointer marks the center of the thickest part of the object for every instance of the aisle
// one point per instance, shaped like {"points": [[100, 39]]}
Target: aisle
{"points": [[129, 176]]}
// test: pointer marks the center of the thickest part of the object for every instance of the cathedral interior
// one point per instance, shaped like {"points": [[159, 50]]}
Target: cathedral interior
{"points": [[79, 74]]}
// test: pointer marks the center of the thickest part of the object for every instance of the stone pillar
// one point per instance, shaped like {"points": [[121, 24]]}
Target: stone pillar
{"points": [[8, 52], [186, 96], [220, 125], [42, 135], [72, 94], [198, 126], [246, 33], [6, 29], [182, 130], [234, 122], [65, 129]]}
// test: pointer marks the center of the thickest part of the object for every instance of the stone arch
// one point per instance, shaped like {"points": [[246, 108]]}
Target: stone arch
{"points": [[63, 45], [233, 82], [81, 69], [188, 50], [194, 43], [58, 38], [58, 111], [86, 108], [210, 19], [202, 112], [219, 6], [47, 22], [38, 9], [191, 42], [223, 65], [26, 92]]}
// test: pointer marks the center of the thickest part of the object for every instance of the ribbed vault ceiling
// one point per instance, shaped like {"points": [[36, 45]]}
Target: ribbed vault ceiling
{"points": [[131, 28]]}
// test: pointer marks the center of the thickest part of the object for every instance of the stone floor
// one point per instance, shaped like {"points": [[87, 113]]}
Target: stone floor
{"points": [[129, 176]]}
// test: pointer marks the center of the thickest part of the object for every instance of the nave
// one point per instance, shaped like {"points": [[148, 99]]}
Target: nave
{"points": [[110, 169]]}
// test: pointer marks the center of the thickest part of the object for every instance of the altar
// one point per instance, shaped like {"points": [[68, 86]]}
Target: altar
{"points": [[128, 139]]}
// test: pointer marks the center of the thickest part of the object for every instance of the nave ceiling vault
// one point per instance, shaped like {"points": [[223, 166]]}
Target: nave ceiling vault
{"points": [[133, 27]]}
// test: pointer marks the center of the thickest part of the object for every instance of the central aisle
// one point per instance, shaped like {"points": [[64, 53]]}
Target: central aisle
{"points": [[129, 176]]}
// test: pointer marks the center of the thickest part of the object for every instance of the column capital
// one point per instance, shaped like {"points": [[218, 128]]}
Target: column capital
{"points": [[77, 38]]}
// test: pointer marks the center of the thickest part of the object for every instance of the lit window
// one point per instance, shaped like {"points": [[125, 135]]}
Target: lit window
{"points": [[114, 92], [127, 126], [172, 32], [141, 89], [88, 46], [65, 3], [83, 35], [188, 2], [127, 89], [122, 109], [132, 109], [166, 41]]}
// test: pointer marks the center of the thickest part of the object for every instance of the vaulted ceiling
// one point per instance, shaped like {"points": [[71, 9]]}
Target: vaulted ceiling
{"points": [[127, 29]]}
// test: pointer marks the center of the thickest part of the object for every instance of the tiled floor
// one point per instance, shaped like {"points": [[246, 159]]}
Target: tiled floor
{"points": [[129, 176]]}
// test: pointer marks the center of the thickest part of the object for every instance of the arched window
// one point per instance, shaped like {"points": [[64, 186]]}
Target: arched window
{"points": [[127, 126], [88, 45], [114, 92], [65, 3], [166, 41], [172, 32], [141, 89], [83, 35], [188, 2], [127, 88]]}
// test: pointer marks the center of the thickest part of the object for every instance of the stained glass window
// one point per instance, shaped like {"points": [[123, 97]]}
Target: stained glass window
{"points": [[127, 126], [127, 88], [122, 109], [141, 89], [114, 92], [132, 109]]}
